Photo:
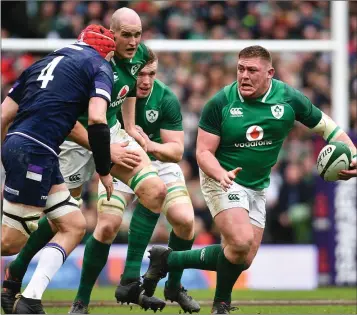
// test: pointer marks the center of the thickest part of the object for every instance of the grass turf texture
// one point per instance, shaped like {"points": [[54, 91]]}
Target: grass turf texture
{"points": [[59, 301]]}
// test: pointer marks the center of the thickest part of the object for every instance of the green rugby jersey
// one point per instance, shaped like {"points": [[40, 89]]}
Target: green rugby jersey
{"points": [[125, 73], [252, 131], [160, 110]]}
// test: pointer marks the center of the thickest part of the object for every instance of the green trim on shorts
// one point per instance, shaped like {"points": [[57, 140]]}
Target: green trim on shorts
{"points": [[333, 134], [135, 181], [176, 188], [114, 197]]}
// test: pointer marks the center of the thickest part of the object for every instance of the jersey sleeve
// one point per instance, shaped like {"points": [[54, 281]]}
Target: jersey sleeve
{"points": [[17, 90], [305, 112], [171, 113], [132, 93], [102, 81], [211, 116]]}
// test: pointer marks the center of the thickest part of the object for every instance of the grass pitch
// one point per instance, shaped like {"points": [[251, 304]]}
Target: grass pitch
{"points": [[320, 301]]}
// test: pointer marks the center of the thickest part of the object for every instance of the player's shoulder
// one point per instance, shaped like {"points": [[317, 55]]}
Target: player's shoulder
{"points": [[161, 88], [287, 92], [77, 51], [168, 97], [83, 55], [142, 54]]}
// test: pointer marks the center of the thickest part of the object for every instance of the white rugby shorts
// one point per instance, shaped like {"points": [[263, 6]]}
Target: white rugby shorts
{"points": [[237, 196]]}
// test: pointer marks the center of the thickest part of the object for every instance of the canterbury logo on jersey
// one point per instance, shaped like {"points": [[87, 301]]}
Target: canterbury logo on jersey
{"points": [[116, 77], [134, 69], [236, 112], [233, 197]]}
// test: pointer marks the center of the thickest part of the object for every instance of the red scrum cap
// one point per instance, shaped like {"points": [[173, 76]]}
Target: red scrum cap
{"points": [[98, 37]]}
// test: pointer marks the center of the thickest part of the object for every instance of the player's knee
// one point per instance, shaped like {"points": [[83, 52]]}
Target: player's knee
{"points": [[150, 189], [107, 230], [74, 224], [183, 225], [241, 244], [79, 225], [178, 210], [152, 194], [155, 200]]}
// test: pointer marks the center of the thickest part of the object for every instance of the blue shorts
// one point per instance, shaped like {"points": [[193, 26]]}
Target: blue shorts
{"points": [[31, 171]]}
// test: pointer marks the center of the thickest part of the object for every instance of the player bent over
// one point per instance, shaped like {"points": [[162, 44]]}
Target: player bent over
{"points": [[130, 58], [240, 134], [42, 108], [159, 117], [77, 163]]}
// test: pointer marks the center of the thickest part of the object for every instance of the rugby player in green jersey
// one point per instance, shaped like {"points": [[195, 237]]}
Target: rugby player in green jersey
{"points": [[132, 166], [241, 131], [159, 120]]}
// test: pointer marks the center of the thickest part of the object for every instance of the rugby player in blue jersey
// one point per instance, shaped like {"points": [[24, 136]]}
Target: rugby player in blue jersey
{"points": [[37, 115]]}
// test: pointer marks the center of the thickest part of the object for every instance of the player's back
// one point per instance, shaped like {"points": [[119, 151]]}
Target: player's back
{"points": [[55, 90]]}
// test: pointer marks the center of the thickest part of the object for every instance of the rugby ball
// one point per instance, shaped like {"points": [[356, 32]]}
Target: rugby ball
{"points": [[333, 158]]}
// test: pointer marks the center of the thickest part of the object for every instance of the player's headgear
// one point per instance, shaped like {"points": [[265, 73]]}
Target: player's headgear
{"points": [[98, 37]]}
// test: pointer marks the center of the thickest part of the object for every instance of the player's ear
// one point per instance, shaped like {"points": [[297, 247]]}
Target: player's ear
{"points": [[271, 72]]}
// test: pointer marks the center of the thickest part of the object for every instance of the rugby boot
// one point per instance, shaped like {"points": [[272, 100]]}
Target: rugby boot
{"points": [[10, 287], [179, 295], [27, 306], [222, 308], [131, 291], [78, 307], [157, 268]]}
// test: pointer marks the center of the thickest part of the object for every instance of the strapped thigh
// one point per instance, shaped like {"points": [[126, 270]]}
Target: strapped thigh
{"points": [[147, 172], [60, 204], [20, 217], [176, 194]]}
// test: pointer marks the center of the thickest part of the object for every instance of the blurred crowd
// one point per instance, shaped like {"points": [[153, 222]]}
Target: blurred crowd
{"points": [[195, 77]]}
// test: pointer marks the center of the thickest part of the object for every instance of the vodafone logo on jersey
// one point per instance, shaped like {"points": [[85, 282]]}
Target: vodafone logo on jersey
{"points": [[121, 96], [255, 133], [123, 92]]}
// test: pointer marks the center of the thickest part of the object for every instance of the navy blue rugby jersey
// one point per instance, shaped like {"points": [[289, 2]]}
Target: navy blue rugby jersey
{"points": [[55, 91]]}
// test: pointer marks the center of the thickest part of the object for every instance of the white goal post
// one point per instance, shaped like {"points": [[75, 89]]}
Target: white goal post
{"points": [[337, 45]]}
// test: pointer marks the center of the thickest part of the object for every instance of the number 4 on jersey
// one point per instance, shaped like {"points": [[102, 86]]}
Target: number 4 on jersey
{"points": [[46, 73]]}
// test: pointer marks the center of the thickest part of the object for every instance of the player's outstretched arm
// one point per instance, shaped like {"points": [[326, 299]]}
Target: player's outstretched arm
{"points": [[207, 144], [330, 131], [172, 146], [99, 140], [128, 112], [79, 135], [9, 109]]}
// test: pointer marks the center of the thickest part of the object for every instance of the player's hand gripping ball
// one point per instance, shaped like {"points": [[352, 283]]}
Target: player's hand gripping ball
{"points": [[333, 158], [98, 37]]}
